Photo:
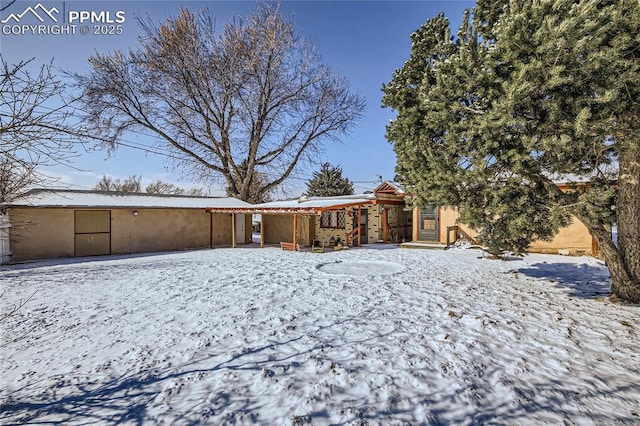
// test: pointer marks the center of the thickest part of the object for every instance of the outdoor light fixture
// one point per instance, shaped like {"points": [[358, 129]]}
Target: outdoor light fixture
{"points": [[135, 212]]}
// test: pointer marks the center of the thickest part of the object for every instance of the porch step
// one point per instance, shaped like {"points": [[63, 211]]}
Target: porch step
{"points": [[421, 245]]}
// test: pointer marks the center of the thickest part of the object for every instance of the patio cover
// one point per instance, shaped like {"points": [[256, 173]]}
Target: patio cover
{"points": [[302, 205], [308, 206]]}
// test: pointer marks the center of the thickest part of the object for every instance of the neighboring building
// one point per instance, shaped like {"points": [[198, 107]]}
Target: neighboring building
{"points": [[66, 223]]}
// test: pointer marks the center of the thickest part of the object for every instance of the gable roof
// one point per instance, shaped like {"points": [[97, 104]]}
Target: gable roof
{"points": [[388, 187], [86, 199]]}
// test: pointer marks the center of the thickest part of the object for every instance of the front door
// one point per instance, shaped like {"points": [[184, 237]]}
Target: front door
{"points": [[364, 219], [429, 223], [240, 229]]}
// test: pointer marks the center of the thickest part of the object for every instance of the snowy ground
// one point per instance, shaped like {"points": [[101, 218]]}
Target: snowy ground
{"points": [[370, 336]]}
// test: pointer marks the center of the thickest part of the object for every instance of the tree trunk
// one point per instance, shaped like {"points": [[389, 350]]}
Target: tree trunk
{"points": [[623, 260], [628, 213], [623, 284]]}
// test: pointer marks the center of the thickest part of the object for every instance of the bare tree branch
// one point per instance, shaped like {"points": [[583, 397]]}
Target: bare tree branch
{"points": [[36, 127], [16, 307], [247, 103], [8, 5]]}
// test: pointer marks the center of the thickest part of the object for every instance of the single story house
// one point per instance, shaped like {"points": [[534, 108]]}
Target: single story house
{"points": [[63, 223], [439, 224], [385, 215], [380, 216]]}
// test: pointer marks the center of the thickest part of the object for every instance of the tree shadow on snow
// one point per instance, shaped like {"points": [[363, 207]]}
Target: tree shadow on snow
{"points": [[130, 397], [123, 399], [582, 281], [98, 264], [540, 400], [39, 263], [135, 397]]}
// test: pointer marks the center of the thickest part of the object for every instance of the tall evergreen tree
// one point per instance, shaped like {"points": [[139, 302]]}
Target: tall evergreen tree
{"points": [[328, 182], [529, 94]]}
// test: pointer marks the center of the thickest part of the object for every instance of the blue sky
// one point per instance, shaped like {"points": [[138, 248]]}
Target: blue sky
{"points": [[362, 40]]}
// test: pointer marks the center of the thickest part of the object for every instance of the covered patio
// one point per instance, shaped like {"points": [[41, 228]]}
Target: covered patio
{"points": [[293, 221], [352, 220]]}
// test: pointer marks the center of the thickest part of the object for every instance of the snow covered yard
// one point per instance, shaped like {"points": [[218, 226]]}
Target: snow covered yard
{"points": [[370, 336]]}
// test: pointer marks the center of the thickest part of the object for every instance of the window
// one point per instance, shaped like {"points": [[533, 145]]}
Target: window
{"points": [[325, 220], [333, 219]]}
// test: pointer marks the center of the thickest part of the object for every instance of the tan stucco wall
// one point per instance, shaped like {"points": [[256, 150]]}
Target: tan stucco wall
{"points": [[41, 233], [279, 228], [306, 230], [573, 239], [158, 230], [448, 216], [221, 231]]}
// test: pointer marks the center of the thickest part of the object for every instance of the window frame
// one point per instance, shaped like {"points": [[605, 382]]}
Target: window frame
{"points": [[333, 219]]}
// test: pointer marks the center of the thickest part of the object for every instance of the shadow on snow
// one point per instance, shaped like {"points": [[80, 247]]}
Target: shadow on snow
{"points": [[131, 397], [582, 281]]}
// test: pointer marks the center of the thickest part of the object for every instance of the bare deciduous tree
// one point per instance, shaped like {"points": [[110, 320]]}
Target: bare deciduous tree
{"points": [[132, 184], [16, 178], [197, 192], [107, 183], [251, 100], [255, 192], [35, 128], [161, 187]]}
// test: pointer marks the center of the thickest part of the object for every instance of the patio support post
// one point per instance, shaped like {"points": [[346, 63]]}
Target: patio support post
{"points": [[295, 230], [261, 231], [385, 218], [234, 237], [210, 230], [359, 226]]}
